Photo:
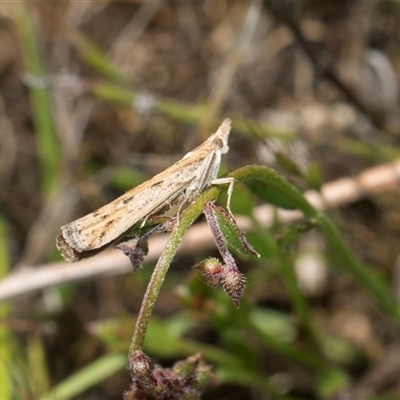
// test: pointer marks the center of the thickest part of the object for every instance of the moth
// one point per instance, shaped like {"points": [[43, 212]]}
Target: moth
{"points": [[177, 185]]}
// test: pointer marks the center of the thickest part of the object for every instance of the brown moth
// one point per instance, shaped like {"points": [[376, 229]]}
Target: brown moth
{"points": [[178, 184]]}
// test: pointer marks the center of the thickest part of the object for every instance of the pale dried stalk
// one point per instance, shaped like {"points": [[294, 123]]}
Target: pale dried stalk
{"points": [[336, 193]]}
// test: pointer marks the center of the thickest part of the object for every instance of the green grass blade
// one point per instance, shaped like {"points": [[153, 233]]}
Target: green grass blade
{"points": [[5, 333], [94, 56], [46, 136], [87, 377], [180, 112]]}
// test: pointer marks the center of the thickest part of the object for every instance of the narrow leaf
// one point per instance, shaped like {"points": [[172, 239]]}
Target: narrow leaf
{"points": [[233, 236]]}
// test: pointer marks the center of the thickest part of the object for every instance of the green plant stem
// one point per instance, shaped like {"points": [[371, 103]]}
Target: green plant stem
{"points": [[186, 219]]}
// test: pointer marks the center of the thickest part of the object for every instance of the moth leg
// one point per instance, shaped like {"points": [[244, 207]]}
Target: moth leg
{"points": [[178, 212], [224, 181], [144, 221], [166, 205]]}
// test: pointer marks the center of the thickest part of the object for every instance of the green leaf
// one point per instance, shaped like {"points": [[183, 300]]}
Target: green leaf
{"points": [[271, 195], [270, 186], [233, 236]]}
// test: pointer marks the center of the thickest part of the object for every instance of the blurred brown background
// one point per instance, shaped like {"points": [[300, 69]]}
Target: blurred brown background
{"points": [[96, 97]]}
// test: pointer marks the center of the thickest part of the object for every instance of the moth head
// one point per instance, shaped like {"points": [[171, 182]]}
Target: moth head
{"points": [[220, 138]]}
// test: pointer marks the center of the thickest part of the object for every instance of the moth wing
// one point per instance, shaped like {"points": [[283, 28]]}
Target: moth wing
{"points": [[110, 221]]}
